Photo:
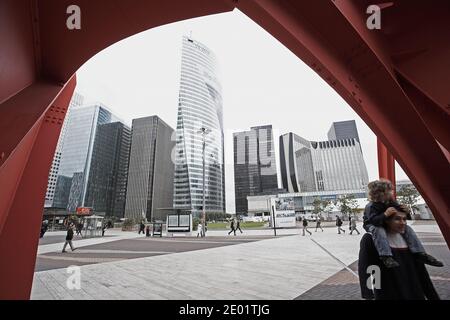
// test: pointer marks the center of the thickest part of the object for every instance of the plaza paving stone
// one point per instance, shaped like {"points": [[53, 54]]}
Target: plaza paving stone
{"points": [[254, 265]]}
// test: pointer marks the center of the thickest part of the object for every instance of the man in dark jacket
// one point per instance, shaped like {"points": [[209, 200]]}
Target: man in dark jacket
{"points": [[232, 227], [339, 224], [44, 228], [142, 228], [69, 238]]}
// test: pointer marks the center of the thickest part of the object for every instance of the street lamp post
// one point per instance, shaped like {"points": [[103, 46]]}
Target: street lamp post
{"points": [[204, 132]]}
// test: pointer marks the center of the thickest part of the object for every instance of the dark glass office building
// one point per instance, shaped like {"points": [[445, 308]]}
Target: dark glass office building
{"points": [[151, 170], [106, 191], [255, 170], [342, 130]]}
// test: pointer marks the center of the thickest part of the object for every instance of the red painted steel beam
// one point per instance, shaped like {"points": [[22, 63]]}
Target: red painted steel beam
{"points": [[19, 236], [386, 164]]}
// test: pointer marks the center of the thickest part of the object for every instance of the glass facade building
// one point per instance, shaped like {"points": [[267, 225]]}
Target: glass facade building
{"points": [[151, 170], [200, 106], [255, 170], [76, 155], [106, 189], [342, 130], [76, 101]]}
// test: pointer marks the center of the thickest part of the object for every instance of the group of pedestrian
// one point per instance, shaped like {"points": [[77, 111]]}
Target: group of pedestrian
{"points": [[339, 223], [235, 224], [304, 221], [351, 225]]}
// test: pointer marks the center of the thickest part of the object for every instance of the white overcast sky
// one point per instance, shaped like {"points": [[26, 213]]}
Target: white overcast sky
{"points": [[263, 83]]}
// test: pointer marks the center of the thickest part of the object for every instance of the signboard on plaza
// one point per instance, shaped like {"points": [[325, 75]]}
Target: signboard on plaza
{"points": [[284, 211], [84, 211], [179, 223]]}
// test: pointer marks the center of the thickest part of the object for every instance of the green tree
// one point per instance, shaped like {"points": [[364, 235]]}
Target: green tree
{"points": [[347, 205], [408, 196], [128, 224], [320, 206]]}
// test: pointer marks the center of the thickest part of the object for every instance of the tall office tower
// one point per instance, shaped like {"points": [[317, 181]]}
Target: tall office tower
{"points": [[151, 170], [296, 167], [255, 170], [106, 189], [76, 155], [321, 166], [200, 106], [343, 130], [76, 101]]}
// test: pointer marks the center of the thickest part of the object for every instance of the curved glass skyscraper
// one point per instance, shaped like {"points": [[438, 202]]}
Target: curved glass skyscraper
{"points": [[200, 106]]}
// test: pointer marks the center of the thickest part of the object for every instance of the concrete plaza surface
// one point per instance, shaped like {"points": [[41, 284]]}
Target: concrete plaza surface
{"points": [[252, 265]]}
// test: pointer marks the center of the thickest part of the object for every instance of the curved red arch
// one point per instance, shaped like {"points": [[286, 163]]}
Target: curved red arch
{"points": [[394, 78]]}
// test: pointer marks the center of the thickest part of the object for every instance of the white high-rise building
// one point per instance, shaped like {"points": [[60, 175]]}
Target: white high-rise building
{"points": [[308, 166], [200, 106]]}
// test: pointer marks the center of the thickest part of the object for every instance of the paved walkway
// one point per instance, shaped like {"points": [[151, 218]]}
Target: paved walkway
{"points": [[285, 267], [58, 239]]}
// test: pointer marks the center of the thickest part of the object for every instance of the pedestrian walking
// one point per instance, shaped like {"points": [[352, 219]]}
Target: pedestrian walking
{"points": [[147, 231], [305, 226], [238, 225], [104, 229], [319, 222], [69, 237], [232, 227], [199, 230], [339, 224], [44, 228], [142, 228], [353, 225], [79, 229]]}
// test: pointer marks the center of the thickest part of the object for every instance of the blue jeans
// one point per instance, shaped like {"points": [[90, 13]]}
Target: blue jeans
{"points": [[382, 244]]}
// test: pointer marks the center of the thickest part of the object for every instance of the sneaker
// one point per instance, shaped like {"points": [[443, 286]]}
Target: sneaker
{"points": [[428, 259], [389, 262], [64, 251], [74, 249]]}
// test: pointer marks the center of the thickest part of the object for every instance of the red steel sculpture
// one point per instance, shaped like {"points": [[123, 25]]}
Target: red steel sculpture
{"points": [[396, 78]]}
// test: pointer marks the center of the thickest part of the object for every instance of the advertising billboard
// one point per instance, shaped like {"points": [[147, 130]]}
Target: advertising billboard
{"points": [[284, 212]]}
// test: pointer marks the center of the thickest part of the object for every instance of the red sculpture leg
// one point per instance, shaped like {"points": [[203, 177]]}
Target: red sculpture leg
{"points": [[386, 163], [19, 236]]}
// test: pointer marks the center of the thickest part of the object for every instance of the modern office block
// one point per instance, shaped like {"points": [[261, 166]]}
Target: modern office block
{"points": [[151, 170], [342, 130], [255, 170]]}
